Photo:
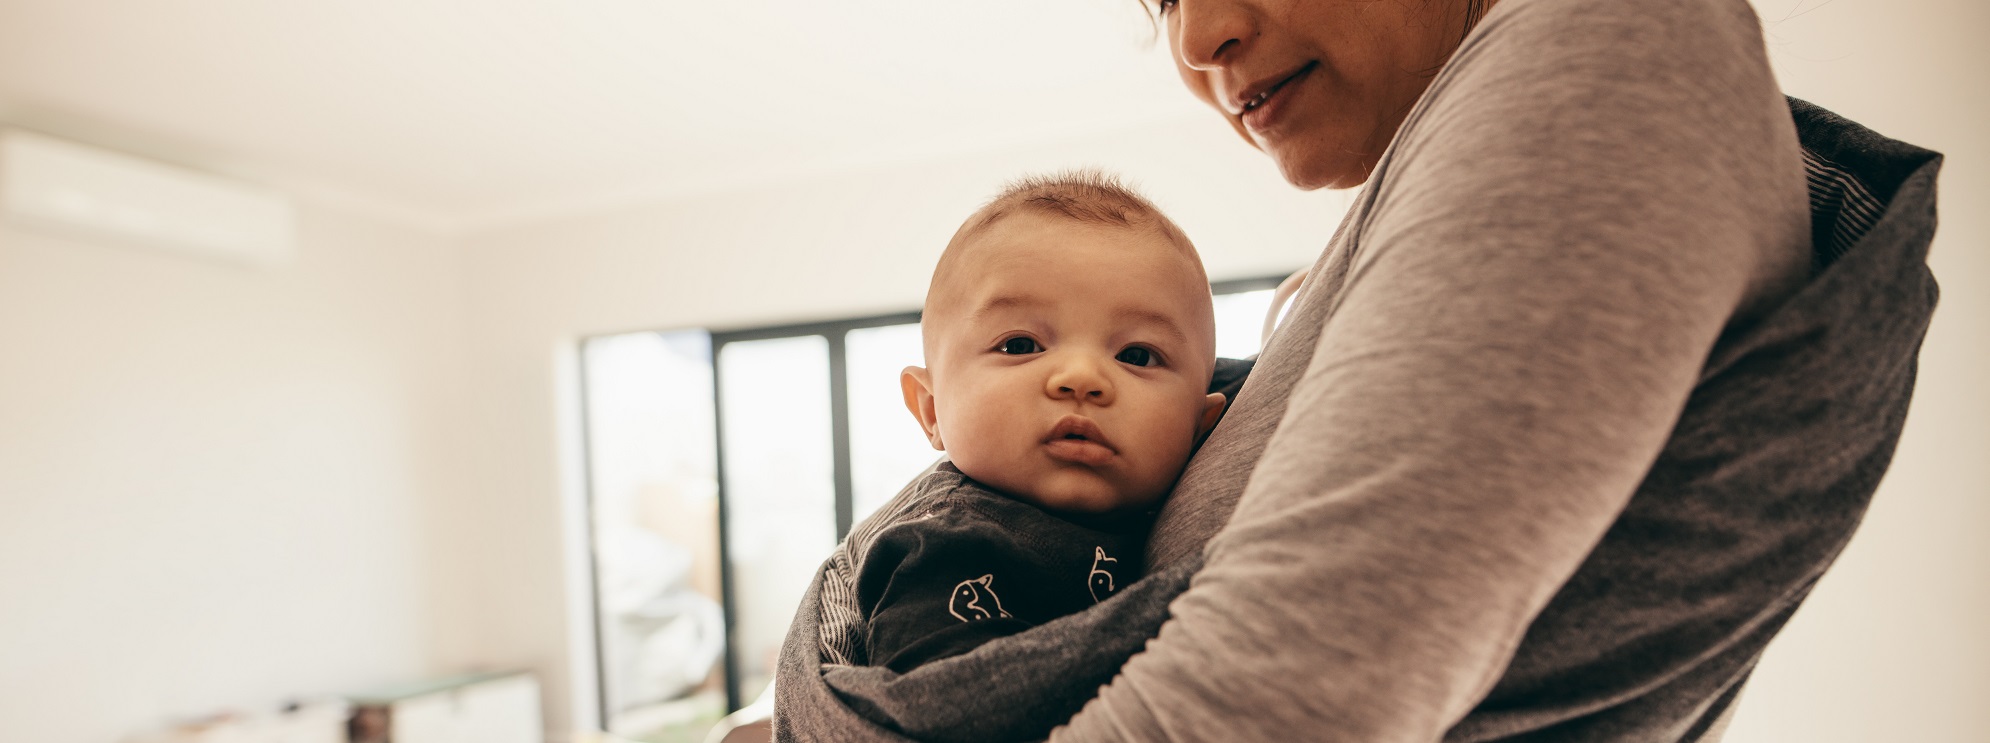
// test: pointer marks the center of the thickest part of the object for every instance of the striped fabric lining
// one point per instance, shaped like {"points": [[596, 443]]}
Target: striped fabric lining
{"points": [[1839, 200], [841, 626]]}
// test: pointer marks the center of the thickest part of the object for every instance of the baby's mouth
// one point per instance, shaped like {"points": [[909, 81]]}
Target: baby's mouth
{"points": [[1077, 428], [1078, 440]]}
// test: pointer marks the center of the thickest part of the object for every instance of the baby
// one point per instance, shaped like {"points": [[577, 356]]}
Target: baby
{"points": [[1069, 343]]}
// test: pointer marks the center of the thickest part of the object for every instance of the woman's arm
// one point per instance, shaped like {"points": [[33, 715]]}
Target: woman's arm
{"points": [[1585, 199]]}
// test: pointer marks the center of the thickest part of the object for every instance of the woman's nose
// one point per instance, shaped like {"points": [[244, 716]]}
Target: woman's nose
{"points": [[1080, 379], [1209, 33]]}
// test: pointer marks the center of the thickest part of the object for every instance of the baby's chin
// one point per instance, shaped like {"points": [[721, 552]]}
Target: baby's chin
{"points": [[1084, 493]]}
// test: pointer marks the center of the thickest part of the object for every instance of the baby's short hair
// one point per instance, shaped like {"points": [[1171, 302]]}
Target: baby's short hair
{"points": [[1085, 195]]}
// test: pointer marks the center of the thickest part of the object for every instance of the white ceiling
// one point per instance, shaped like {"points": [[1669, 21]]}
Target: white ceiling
{"points": [[469, 112]]}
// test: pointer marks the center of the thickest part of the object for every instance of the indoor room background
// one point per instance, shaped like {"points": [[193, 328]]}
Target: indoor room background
{"points": [[467, 418]]}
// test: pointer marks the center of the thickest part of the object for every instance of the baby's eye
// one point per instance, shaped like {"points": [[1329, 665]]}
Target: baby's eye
{"points": [[1019, 346], [1137, 356]]}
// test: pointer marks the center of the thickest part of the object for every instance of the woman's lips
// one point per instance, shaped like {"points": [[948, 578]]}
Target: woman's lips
{"points": [[1271, 108]]}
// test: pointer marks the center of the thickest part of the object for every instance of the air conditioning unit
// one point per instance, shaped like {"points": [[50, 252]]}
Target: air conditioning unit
{"points": [[96, 194]]}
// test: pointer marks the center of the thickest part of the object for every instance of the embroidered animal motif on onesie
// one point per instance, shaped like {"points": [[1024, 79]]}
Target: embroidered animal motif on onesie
{"points": [[975, 599], [1100, 581]]}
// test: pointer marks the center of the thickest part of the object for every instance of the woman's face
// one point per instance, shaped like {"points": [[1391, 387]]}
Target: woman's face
{"points": [[1320, 85]]}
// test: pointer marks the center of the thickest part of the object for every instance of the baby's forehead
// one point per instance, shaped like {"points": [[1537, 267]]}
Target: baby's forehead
{"points": [[1138, 278], [1032, 237], [1038, 250]]}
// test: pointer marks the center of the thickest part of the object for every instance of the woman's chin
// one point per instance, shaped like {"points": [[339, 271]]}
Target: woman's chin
{"points": [[1311, 170]]}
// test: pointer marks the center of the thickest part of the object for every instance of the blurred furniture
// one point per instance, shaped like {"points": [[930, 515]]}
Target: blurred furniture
{"points": [[317, 721], [1285, 290], [753, 723], [478, 708]]}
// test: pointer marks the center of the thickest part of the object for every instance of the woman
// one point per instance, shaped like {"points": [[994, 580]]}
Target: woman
{"points": [[1594, 381]]}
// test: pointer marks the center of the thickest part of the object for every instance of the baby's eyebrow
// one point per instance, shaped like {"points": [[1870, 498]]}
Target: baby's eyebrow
{"points": [[1150, 317], [1002, 302]]}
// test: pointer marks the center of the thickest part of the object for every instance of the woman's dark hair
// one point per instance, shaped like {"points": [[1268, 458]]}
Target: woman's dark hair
{"points": [[1474, 10]]}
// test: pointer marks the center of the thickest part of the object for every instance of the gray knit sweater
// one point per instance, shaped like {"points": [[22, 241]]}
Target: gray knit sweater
{"points": [[1594, 382]]}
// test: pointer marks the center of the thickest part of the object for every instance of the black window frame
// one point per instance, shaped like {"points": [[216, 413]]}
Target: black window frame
{"points": [[835, 332]]}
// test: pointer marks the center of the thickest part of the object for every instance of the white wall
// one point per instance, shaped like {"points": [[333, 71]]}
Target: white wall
{"points": [[1888, 648], [213, 478]]}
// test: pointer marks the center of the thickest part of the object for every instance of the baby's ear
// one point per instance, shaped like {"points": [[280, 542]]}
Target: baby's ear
{"points": [[917, 384], [1212, 411]]}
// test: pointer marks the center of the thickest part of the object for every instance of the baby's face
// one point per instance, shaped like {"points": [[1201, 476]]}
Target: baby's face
{"points": [[1069, 363]]}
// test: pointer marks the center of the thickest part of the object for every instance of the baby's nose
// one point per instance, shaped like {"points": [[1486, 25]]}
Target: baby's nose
{"points": [[1081, 380]]}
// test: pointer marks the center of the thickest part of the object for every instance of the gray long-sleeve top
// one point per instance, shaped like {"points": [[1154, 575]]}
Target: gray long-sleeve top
{"points": [[1572, 412], [1508, 341]]}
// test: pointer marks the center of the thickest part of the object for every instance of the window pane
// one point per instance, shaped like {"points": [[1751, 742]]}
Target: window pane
{"points": [[652, 471], [1240, 322], [886, 445], [780, 491]]}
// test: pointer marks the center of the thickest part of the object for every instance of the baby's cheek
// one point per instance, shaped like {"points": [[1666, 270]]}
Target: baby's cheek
{"points": [[978, 449], [964, 433], [1179, 443]]}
